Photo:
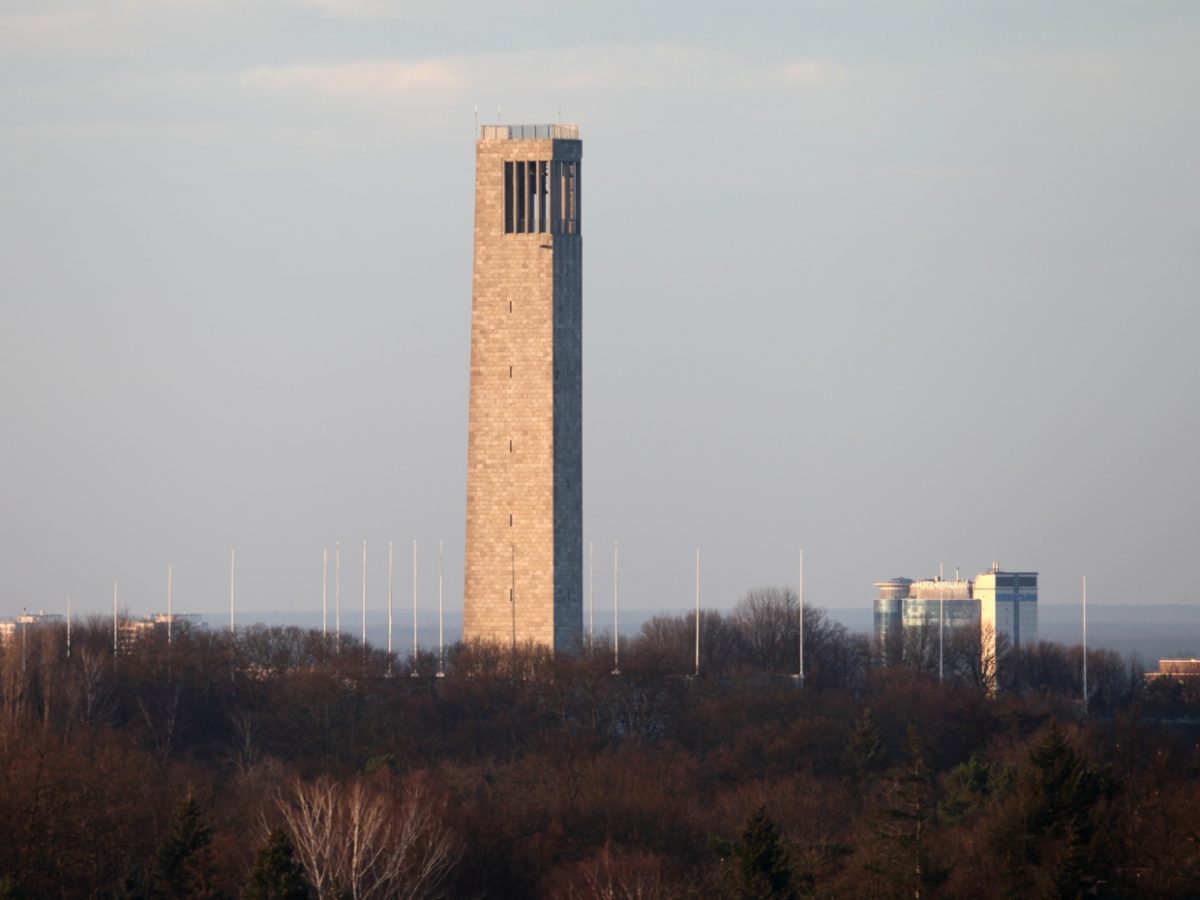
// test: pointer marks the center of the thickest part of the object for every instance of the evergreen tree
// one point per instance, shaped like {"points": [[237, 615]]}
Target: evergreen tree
{"points": [[865, 751], [757, 864], [277, 874], [898, 851], [1043, 838], [179, 867], [971, 786]]}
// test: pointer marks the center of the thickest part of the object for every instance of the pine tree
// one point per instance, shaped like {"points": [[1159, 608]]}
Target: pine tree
{"points": [[865, 751], [178, 870], [758, 863], [970, 787], [898, 852], [1043, 837], [276, 874]]}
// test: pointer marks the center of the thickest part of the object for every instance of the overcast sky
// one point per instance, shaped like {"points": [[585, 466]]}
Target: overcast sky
{"points": [[897, 283]]}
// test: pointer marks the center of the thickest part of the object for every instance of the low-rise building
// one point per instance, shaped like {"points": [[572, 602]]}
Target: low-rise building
{"points": [[9, 627], [1176, 669], [133, 630]]}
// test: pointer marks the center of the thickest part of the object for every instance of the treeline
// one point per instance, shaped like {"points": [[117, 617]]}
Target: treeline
{"points": [[276, 762]]}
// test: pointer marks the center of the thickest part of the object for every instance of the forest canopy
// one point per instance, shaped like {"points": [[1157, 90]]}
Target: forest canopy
{"points": [[276, 762]]}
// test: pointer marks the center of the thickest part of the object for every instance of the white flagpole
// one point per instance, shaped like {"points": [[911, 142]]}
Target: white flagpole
{"points": [[697, 610], [337, 597], [414, 599], [800, 665], [1085, 647], [391, 574], [170, 618], [441, 673], [231, 590], [941, 621], [364, 597], [324, 594], [616, 618], [591, 595]]}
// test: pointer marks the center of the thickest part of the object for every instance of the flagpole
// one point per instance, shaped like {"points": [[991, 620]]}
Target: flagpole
{"points": [[170, 617], [414, 604], [231, 590], [591, 596], [616, 618], [441, 673], [364, 596], [337, 597], [800, 666], [1085, 647], [697, 611], [391, 573]]}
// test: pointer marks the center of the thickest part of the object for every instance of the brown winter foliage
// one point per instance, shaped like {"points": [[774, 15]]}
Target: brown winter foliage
{"points": [[161, 770]]}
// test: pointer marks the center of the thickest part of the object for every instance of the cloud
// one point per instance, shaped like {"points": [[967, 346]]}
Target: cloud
{"points": [[29, 24], [384, 78], [355, 9], [810, 73], [660, 67]]}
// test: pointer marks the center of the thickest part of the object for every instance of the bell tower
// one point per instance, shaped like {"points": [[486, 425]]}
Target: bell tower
{"points": [[524, 554]]}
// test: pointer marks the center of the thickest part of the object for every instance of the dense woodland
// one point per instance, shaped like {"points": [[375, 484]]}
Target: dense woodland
{"points": [[277, 763]]}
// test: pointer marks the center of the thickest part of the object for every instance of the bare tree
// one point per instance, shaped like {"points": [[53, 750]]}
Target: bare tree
{"points": [[95, 696], [311, 814], [673, 638], [358, 841], [617, 874], [245, 730], [767, 620]]}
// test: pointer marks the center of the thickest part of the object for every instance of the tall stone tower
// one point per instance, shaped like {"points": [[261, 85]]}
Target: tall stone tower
{"points": [[524, 555]]}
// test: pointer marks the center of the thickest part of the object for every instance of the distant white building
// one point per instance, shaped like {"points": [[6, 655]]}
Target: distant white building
{"points": [[1001, 605], [133, 630], [1007, 610], [8, 627]]}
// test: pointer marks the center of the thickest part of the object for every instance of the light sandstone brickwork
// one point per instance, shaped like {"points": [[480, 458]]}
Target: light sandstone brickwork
{"points": [[524, 553]]}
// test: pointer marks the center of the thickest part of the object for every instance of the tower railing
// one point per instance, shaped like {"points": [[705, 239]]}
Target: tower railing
{"points": [[529, 132]]}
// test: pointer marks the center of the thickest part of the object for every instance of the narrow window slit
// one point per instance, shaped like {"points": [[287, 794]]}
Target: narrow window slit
{"points": [[508, 198]]}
